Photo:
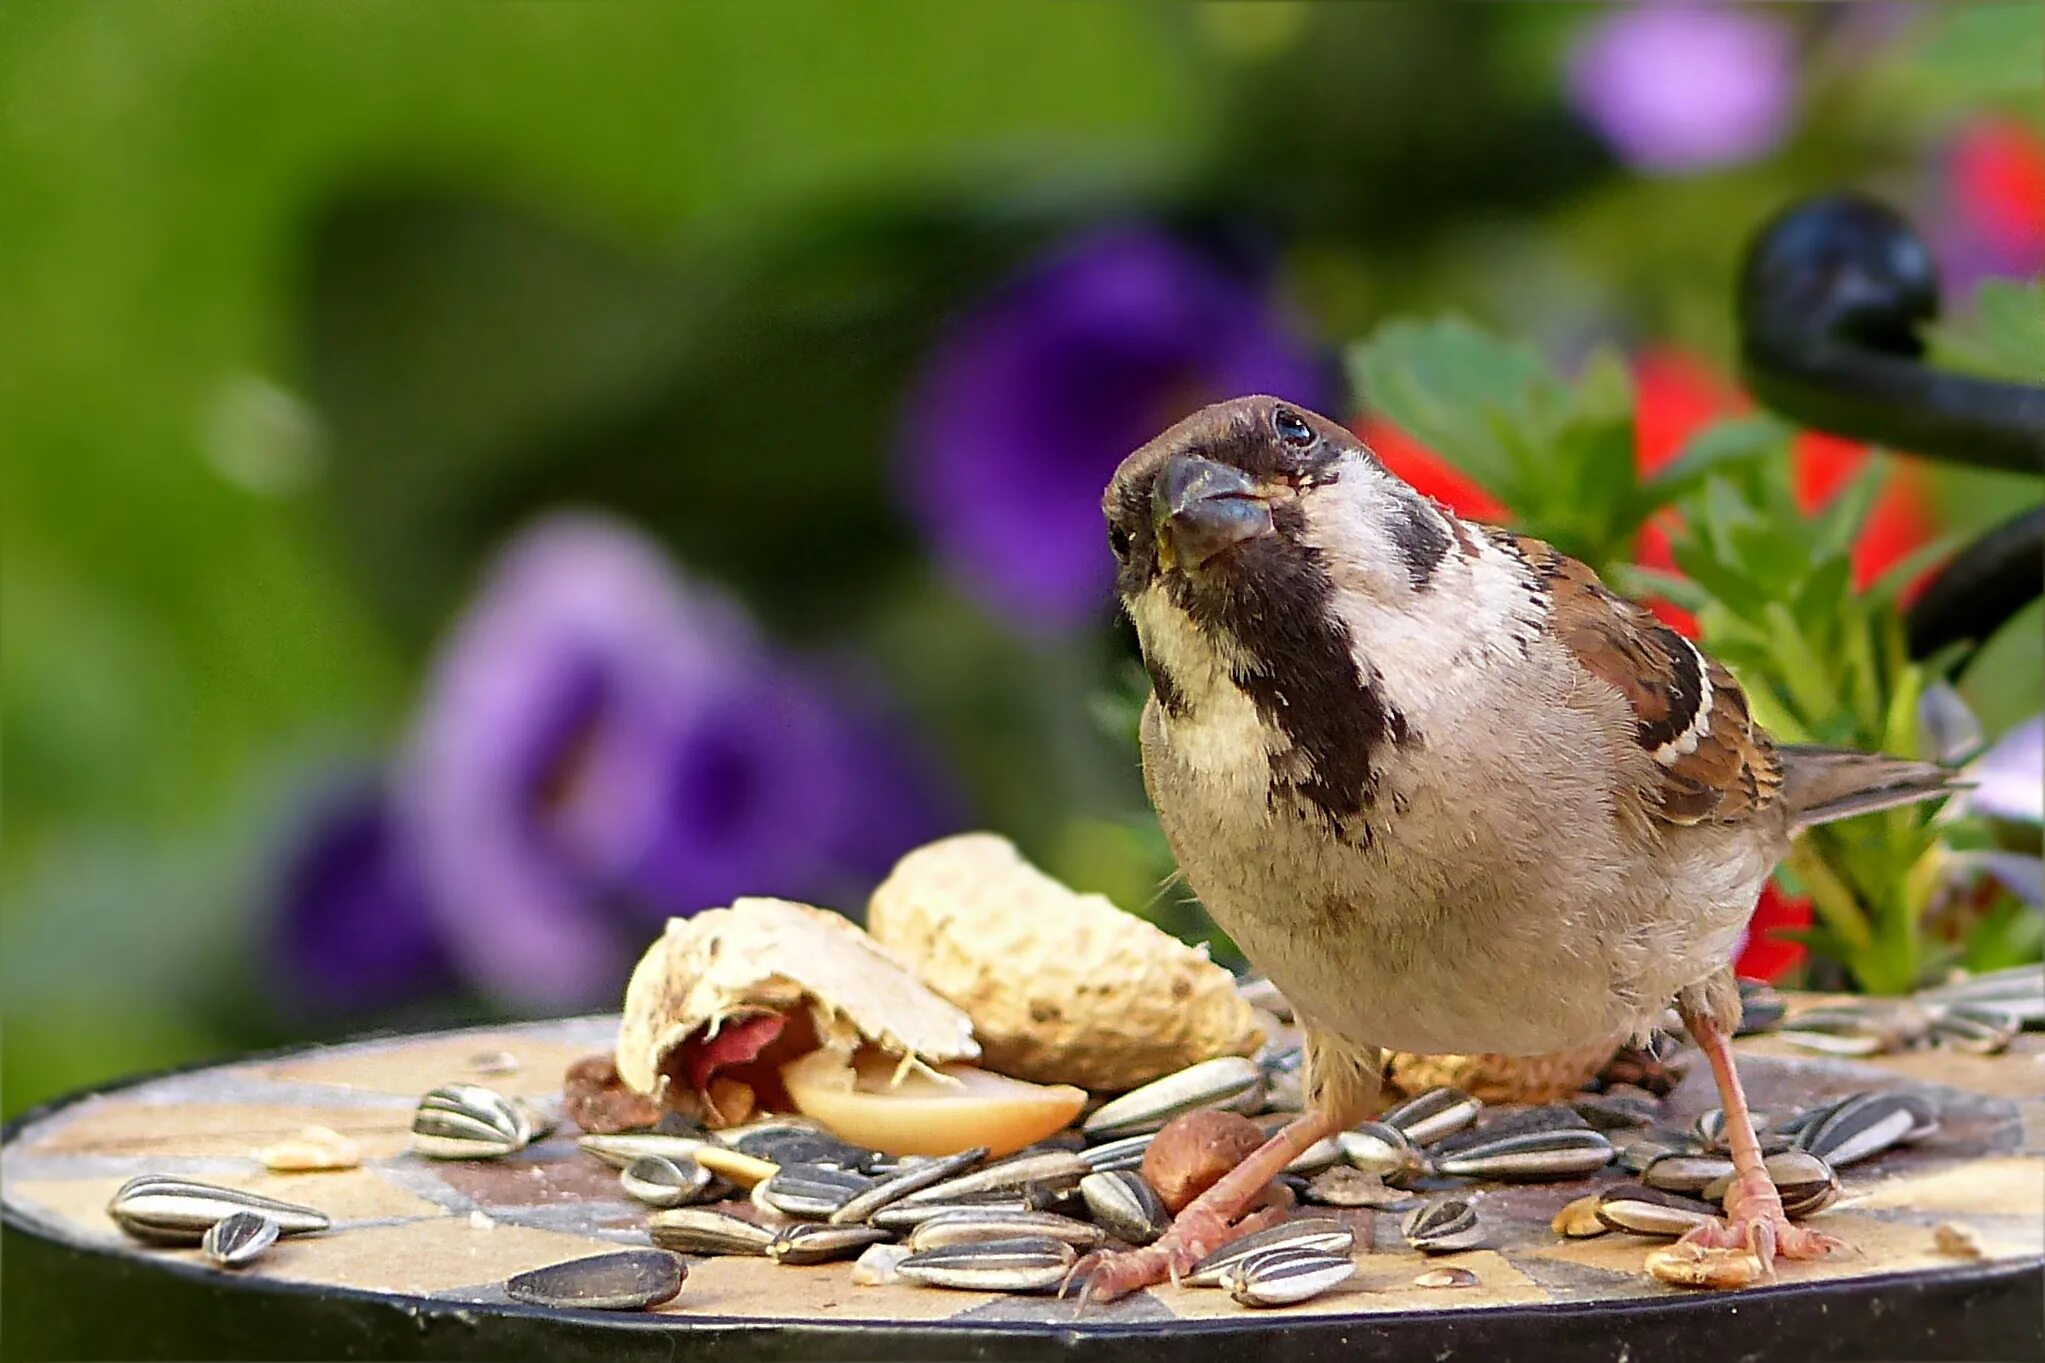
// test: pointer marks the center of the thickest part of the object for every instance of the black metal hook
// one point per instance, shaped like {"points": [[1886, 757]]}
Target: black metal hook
{"points": [[1831, 296]]}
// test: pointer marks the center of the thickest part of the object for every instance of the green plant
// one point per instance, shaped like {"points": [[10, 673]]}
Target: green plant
{"points": [[1560, 454], [1823, 661]]}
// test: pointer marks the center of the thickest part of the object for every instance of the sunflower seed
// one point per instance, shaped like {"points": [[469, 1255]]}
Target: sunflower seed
{"points": [[2018, 991], [1805, 1183], [1638, 1149], [536, 1121], [809, 1192], [1684, 1173], [1865, 1125], [1309, 1232], [1446, 1277], [810, 1243], [621, 1149], [1378, 1149], [877, 1266], [626, 1280], [1281, 1277], [1649, 1211], [1027, 1265], [1526, 1121], [1624, 1110], [1231, 1083], [1125, 1153], [661, 1182], [1975, 1029], [1051, 1168], [1529, 1156], [1259, 992], [1761, 1008], [1444, 1226], [240, 1239], [1433, 1115], [1049, 1197], [167, 1210], [925, 1177], [699, 1230], [1343, 1186], [1125, 1206], [1578, 1220], [785, 1145], [468, 1121], [1316, 1157], [903, 1216], [968, 1227]]}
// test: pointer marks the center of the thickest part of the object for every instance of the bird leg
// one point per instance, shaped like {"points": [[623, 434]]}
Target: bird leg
{"points": [[1209, 1221], [1743, 1247]]}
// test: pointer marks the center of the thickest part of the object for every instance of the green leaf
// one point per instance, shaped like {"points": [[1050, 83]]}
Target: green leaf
{"points": [[1807, 676], [1840, 521], [1632, 580], [1718, 448], [1445, 383]]}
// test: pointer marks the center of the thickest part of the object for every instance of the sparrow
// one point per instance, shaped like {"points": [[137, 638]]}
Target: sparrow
{"points": [[1447, 790]]}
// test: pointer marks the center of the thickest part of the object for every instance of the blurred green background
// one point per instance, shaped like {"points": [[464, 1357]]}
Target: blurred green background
{"points": [[308, 307]]}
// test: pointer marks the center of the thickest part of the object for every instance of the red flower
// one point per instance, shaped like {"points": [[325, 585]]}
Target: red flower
{"points": [[1998, 189], [1766, 956]]}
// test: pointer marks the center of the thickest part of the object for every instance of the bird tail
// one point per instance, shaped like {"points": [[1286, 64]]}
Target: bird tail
{"points": [[1823, 784]]}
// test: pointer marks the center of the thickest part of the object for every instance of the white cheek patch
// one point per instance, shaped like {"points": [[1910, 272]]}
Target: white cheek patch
{"points": [[1699, 728]]}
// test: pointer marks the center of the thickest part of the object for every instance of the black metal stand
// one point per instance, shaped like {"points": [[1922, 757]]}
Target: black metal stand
{"points": [[1831, 296]]}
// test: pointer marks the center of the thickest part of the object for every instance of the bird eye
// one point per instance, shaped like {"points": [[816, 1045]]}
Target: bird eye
{"points": [[1291, 427], [1118, 541]]}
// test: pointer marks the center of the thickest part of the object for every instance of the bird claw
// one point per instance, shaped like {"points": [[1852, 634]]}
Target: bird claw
{"points": [[1738, 1252]]}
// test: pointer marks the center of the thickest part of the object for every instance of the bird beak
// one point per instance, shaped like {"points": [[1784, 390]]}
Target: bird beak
{"points": [[1200, 508]]}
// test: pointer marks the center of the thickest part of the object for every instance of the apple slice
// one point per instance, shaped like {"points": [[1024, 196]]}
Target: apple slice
{"points": [[922, 1114]]}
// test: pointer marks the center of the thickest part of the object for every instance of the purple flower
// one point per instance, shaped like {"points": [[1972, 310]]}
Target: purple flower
{"points": [[1032, 398], [2010, 777], [1675, 86], [601, 746], [356, 932]]}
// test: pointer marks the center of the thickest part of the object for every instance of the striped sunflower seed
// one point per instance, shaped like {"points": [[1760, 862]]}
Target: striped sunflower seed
{"points": [[1622, 1111], [1761, 1009], [1681, 1172], [1525, 1121], [809, 1192], [700, 1230], [1232, 1083], [1650, 1211], [1034, 1264], [625, 1280], [2018, 991], [1008, 1177], [240, 1239], [621, 1149], [1429, 1117], [786, 1145], [1865, 1125], [1123, 1153], [468, 1121], [1638, 1149], [1529, 1156], [1805, 1183], [970, 1226], [1322, 1154], [1376, 1148], [908, 1181], [1310, 1232], [1977, 1029], [168, 1210], [1259, 992], [1443, 1226], [1281, 1277], [1125, 1206], [661, 1182], [906, 1216], [810, 1243]]}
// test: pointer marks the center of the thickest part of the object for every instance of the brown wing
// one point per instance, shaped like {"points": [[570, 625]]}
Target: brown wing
{"points": [[1714, 763]]}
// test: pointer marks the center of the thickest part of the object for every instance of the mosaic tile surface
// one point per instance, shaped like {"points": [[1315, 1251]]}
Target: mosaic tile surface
{"points": [[454, 1231]]}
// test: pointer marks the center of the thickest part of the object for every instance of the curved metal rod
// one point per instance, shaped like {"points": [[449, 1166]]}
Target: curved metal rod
{"points": [[1831, 295], [1976, 593]]}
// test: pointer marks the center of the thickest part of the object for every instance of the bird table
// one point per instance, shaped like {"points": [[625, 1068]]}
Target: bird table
{"points": [[415, 1262]]}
